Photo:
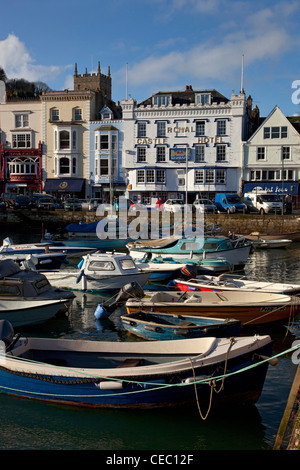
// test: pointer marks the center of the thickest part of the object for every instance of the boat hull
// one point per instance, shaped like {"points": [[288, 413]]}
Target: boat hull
{"points": [[23, 312], [142, 386], [165, 327], [195, 285], [248, 313], [68, 280]]}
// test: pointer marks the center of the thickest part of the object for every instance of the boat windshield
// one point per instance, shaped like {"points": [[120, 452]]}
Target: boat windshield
{"points": [[101, 266], [127, 264]]}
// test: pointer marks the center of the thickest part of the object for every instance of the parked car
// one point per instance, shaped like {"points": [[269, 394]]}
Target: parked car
{"points": [[94, 203], [23, 202], [265, 202], [175, 205], [45, 203], [72, 204], [9, 199], [2, 204], [230, 203], [204, 206], [160, 204], [250, 207]]}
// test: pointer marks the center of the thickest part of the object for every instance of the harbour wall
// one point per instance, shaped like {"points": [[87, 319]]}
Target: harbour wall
{"points": [[234, 223]]}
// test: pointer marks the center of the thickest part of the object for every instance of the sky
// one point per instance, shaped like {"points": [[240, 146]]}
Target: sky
{"points": [[163, 44]]}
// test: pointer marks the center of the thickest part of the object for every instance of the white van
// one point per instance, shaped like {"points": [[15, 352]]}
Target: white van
{"points": [[265, 202]]}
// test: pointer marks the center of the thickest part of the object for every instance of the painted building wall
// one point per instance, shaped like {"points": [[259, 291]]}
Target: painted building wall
{"points": [[168, 176], [272, 155]]}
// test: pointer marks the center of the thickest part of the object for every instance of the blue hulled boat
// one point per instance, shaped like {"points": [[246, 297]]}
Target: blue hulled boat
{"points": [[163, 326], [143, 374]]}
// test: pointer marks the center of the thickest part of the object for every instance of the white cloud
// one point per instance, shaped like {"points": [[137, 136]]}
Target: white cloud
{"points": [[17, 62]]}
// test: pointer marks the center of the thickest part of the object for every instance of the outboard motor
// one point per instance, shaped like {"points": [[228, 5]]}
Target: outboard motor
{"points": [[132, 290], [189, 271], [6, 332]]}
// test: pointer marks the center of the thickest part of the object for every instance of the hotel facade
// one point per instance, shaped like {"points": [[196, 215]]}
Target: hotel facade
{"points": [[184, 144]]}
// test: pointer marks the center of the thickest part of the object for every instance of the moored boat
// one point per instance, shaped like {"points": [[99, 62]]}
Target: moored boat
{"points": [[233, 251], [99, 271], [229, 282], [26, 297], [261, 308], [160, 326], [142, 374]]}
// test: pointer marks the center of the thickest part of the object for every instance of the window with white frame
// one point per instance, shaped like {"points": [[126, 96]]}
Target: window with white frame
{"points": [[103, 167], [150, 176], [160, 153], [160, 176], [275, 132], [141, 131], [203, 98], [209, 176], [221, 153], [21, 120], [199, 176], [141, 154], [221, 127], [104, 142], [64, 140], [199, 153], [54, 114], [161, 100], [220, 176], [20, 141], [140, 176], [161, 128], [286, 153], [200, 128], [260, 153], [64, 166], [77, 114], [23, 165]]}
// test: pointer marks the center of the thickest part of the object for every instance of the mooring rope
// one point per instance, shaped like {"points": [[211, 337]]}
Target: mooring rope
{"points": [[207, 380]]}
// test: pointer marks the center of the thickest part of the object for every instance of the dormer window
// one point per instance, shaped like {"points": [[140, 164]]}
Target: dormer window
{"points": [[106, 113], [203, 98], [161, 100]]}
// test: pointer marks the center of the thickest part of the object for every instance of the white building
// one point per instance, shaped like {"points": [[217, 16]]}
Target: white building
{"points": [[105, 163], [272, 155], [162, 130]]}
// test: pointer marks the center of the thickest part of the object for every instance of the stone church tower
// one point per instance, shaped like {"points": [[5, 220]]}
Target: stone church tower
{"points": [[94, 81]]}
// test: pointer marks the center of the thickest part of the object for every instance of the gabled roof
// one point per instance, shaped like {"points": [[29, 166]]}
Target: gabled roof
{"points": [[263, 122]]}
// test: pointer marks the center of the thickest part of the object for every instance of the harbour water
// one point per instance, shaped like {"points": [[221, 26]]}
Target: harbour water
{"points": [[30, 425]]}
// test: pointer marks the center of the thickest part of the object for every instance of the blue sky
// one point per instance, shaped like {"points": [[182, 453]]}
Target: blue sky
{"points": [[167, 44]]}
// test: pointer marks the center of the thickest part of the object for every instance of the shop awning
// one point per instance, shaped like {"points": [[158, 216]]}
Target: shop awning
{"points": [[275, 187], [63, 185]]}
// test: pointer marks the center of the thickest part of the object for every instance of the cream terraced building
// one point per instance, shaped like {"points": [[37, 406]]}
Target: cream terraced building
{"points": [[65, 134], [161, 131]]}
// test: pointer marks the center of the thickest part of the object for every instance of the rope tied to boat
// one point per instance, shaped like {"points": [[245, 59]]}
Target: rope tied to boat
{"points": [[211, 383]]}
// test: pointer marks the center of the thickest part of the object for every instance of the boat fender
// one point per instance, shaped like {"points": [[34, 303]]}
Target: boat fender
{"points": [[271, 360], [79, 265], [110, 385], [79, 276], [101, 312]]}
